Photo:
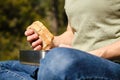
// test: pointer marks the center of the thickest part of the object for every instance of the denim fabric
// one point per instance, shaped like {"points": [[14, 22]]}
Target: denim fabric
{"points": [[63, 64], [13, 70], [71, 64]]}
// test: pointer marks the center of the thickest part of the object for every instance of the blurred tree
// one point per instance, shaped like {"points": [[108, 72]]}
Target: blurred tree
{"points": [[16, 15], [55, 14]]}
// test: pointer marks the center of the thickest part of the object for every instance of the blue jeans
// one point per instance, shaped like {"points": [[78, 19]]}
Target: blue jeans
{"points": [[62, 64]]}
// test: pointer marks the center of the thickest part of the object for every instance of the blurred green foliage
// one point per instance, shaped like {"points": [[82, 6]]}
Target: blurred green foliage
{"points": [[16, 15]]}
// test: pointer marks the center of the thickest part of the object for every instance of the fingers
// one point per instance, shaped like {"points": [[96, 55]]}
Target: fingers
{"points": [[31, 35], [38, 47], [33, 39], [29, 32], [37, 43]]}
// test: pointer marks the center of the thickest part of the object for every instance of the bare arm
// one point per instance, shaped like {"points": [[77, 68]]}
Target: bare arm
{"points": [[109, 52], [36, 42], [65, 38]]}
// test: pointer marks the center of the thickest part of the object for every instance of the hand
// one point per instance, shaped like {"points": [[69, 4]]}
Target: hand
{"points": [[33, 39]]}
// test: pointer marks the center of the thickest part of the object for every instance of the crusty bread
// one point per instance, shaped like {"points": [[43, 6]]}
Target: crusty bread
{"points": [[43, 34]]}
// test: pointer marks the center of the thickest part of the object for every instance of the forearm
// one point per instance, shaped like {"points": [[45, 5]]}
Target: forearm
{"points": [[65, 38], [109, 52]]}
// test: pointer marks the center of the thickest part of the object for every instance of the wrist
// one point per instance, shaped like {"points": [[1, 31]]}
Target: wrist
{"points": [[55, 42]]}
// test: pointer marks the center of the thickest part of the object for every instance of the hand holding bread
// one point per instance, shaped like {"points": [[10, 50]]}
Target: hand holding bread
{"points": [[43, 34]]}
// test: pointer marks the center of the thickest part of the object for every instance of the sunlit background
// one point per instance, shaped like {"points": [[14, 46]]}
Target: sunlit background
{"points": [[16, 15]]}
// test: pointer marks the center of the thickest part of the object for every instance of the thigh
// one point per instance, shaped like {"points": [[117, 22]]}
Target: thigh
{"points": [[71, 64], [16, 70]]}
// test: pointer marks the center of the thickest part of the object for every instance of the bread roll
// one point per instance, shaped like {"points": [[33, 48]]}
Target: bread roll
{"points": [[43, 34]]}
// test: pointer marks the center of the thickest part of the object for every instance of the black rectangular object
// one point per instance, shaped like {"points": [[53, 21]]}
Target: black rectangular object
{"points": [[31, 57]]}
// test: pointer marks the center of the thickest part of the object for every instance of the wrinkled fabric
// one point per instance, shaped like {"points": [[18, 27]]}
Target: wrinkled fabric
{"points": [[71, 64], [62, 64], [14, 70], [96, 23]]}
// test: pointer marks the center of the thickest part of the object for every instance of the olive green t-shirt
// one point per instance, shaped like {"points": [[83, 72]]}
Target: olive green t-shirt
{"points": [[96, 23]]}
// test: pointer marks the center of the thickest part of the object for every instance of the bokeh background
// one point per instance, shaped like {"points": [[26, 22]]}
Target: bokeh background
{"points": [[16, 15]]}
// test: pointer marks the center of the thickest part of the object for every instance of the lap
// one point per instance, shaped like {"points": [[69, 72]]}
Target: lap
{"points": [[71, 63], [61, 62], [14, 68]]}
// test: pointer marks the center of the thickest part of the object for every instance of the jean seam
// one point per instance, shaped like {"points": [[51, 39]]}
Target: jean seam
{"points": [[15, 74]]}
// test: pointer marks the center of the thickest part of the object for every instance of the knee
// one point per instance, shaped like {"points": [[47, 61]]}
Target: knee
{"points": [[60, 60]]}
